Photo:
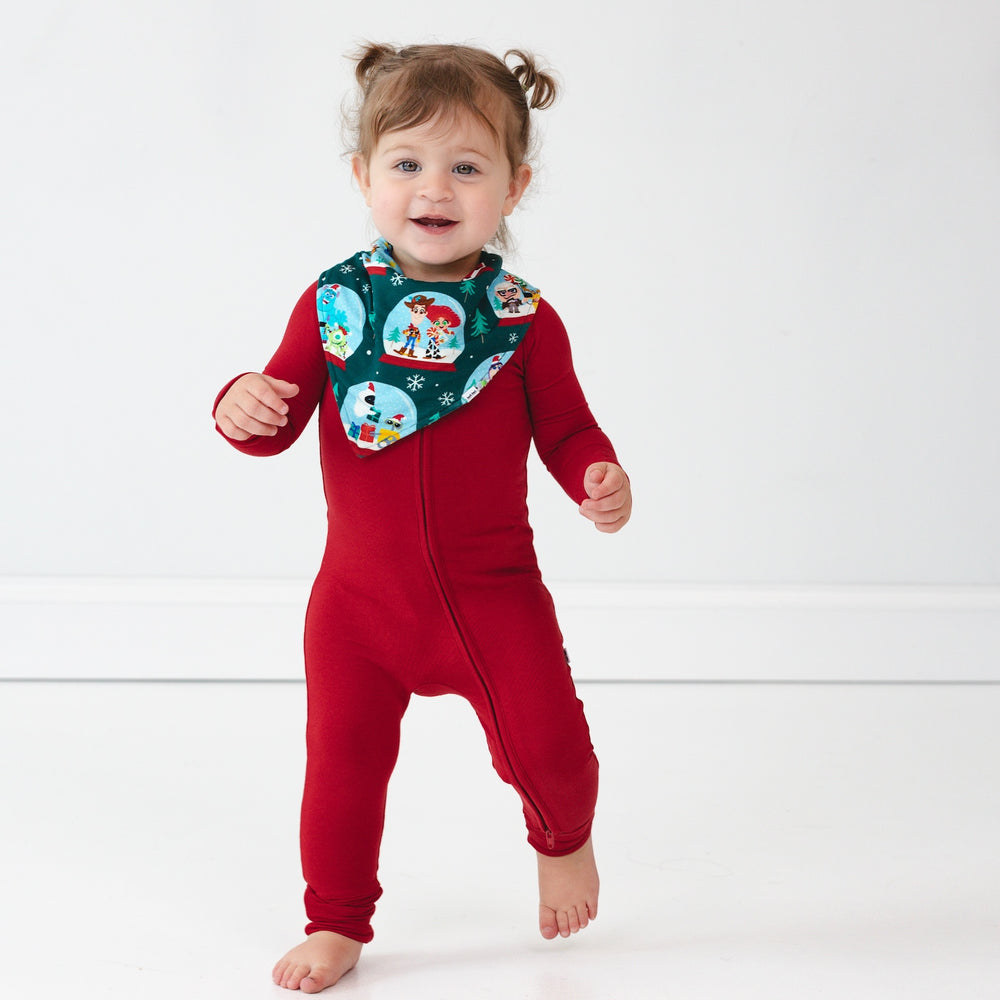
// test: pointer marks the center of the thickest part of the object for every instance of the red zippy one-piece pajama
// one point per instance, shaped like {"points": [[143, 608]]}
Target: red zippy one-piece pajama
{"points": [[429, 585]]}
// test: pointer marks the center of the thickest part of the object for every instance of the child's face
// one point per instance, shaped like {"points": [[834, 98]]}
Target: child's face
{"points": [[437, 194]]}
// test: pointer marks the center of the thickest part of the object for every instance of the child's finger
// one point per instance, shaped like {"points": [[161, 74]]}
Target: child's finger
{"points": [[594, 477], [269, 411], [282, 389], [229, 428], [602, 480], [608, 508], [610, 527], [594, 481], [257, 419], [610, 521], [263, 400], [237, 424]]}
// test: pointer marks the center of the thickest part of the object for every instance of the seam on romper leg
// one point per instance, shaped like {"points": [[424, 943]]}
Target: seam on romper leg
{"points": [[507, 745], [525, 788]]}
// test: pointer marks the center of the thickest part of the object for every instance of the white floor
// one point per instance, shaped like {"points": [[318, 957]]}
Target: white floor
{"points": [[754, 841]]}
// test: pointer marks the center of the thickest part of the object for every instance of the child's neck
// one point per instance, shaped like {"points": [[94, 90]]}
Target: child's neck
{"points": [[451, 271]]}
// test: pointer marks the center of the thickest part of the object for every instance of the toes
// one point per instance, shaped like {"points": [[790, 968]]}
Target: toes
{"points": [[320, 976], [547, 923], [564, 922], [295, 976]]}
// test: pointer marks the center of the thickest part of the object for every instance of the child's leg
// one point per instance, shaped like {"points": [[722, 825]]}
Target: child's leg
{"points": [[522, 690], [352, 742], [352, 739], [539, 741]]}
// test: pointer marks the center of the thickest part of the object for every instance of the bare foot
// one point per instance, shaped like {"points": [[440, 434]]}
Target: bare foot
{"points": [[317, 963], [567, 892]]}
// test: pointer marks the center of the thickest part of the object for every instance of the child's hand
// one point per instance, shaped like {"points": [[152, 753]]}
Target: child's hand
{"points": [[609, 503], [254, 404]]}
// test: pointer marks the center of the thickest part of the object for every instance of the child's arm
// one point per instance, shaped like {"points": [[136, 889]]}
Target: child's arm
{"points": [[263, 414], [570, 443]]}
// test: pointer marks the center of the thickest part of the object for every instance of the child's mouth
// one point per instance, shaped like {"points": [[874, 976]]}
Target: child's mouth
{"points": [[435, 223]]}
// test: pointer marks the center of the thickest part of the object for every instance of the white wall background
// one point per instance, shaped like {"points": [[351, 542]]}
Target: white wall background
{"points": [[805, 396]]}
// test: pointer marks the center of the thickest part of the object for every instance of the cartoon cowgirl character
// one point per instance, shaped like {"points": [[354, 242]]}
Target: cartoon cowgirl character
{"points": [[442, 320]]}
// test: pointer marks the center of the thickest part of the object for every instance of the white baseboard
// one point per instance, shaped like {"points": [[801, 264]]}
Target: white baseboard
{"points": [[154, 629]]}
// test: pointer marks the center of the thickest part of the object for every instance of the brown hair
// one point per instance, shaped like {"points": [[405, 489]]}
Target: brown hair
{"points": [[403, 88]]}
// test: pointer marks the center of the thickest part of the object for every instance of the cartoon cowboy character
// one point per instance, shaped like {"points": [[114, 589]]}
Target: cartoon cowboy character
{"points": [[418, 312]]}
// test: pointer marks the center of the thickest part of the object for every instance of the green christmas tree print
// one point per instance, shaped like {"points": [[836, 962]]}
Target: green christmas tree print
{"points": [[480, 325]]}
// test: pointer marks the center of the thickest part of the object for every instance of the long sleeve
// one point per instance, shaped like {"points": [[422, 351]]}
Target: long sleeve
{"points": [[299, 359], [566, 435]]}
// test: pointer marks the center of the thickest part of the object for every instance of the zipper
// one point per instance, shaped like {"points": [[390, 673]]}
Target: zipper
{"points": [[550, 837]]}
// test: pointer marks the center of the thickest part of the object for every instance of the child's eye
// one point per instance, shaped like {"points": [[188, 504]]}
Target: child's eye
{"points": [[408, 166], [465, 169]]}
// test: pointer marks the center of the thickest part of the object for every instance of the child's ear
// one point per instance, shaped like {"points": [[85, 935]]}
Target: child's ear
{"points": [[519, 182], [362, 175]]}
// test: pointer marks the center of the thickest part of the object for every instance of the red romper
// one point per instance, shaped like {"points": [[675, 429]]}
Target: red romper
{"points": [[429, 585]]}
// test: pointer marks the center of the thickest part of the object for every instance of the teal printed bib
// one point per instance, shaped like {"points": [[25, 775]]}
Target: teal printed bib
{"points": [[403, 353]]}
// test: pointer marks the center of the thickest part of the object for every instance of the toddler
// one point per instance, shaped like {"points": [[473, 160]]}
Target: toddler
{"points": [[433, 368]]}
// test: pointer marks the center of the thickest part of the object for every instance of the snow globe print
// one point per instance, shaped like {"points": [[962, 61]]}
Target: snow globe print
{"points": [[402, 354]]}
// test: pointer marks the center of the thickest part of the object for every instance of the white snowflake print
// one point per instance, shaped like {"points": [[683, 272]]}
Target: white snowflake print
{"points": [[513, 338], [366, 288], [446, 398], [346, 268], [415, 382], [397, 278]]}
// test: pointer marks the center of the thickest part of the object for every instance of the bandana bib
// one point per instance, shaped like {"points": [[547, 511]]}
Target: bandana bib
{"points": [[403, 353]]}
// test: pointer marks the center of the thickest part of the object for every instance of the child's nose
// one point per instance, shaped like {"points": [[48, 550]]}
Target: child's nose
{"points": [[436, 185]]}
